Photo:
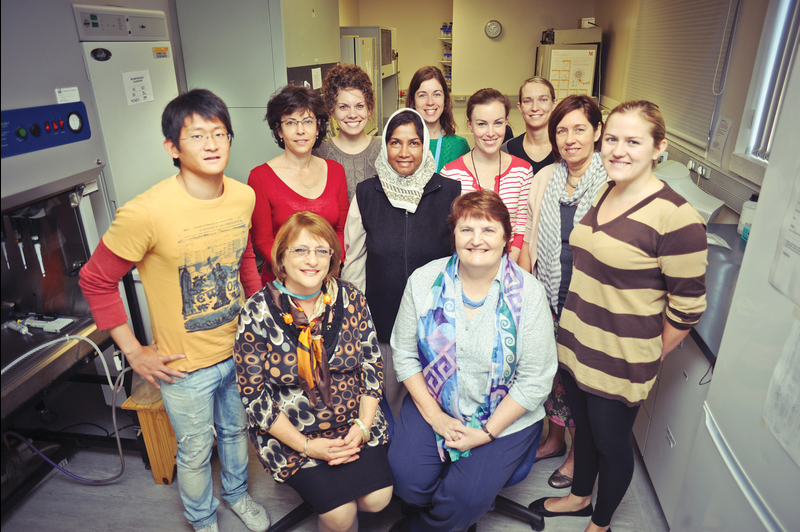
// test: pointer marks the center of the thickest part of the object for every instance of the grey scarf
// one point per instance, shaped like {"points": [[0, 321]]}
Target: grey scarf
{"points": [[548, 265]]}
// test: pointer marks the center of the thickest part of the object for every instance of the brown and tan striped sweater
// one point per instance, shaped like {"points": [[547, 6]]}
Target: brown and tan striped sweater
{"points": [[626, 273]]}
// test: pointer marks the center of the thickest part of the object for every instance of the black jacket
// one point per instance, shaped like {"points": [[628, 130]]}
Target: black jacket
{"points": [[399, 242]]}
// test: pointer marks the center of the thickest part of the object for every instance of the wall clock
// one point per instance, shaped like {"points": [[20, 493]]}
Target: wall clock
{"points": [[493, 29]]}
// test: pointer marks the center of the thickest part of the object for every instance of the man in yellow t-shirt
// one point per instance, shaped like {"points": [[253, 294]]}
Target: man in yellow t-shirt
{"points": [[188, 236]]}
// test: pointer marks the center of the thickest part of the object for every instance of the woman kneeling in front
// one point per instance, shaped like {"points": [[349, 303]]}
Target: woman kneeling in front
{"points": [[473, 343], [311, 377]]}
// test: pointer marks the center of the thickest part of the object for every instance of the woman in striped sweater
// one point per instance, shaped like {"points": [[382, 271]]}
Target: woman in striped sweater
{"points": [[486, 167], [638, 287]]}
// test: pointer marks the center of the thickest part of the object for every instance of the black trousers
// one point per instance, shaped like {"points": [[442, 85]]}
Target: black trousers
{"points": [[603, 431]]}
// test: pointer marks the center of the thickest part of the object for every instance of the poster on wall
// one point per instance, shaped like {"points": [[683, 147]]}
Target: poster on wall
{"points": [[572, 72]]}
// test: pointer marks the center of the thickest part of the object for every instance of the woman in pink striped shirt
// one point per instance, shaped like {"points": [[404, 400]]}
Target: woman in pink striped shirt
{"points": [[486, 167]]}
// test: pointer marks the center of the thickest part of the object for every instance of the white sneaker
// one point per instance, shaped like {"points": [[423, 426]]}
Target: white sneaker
{"points": [[210, 528], [251, 513]]}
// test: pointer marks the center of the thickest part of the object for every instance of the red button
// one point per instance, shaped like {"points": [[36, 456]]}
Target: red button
{"points": [[47, 126], [61, 124], [55, 126]]}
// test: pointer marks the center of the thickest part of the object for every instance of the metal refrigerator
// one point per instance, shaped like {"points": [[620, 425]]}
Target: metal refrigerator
{"points": [[739, 476]]}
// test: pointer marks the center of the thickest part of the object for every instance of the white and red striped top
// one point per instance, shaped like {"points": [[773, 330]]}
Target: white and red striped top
{"points": [[512, 185]]}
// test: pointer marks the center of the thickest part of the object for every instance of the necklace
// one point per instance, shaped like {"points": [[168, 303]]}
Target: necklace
{"points": [[570, 184], [309, 187], [499, 166], [281, 288], [470, 304]]}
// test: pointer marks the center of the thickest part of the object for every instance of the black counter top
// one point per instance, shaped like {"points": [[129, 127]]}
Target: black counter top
{"points": [[21, 381], [721, 276]]}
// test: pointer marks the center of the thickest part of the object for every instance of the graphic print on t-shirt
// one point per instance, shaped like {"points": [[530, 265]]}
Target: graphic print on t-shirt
{"points": [[210, 289]]}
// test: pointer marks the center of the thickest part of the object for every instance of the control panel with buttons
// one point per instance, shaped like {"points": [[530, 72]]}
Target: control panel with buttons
{"points": [[38, 128]]}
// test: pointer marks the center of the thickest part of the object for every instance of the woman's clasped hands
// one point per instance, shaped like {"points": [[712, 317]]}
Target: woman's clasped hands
{"points": [[456, 435], [338, 451]]}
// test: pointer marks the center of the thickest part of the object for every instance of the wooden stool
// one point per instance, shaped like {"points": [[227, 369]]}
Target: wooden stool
{"points": [[159, 438]]}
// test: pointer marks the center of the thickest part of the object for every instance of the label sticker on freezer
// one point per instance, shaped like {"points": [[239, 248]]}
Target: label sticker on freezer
{"points": [[67, 95], [161, 52], [138, 87]]}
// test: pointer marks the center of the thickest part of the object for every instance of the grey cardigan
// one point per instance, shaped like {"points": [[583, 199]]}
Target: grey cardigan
{"points": [[536, 347]]}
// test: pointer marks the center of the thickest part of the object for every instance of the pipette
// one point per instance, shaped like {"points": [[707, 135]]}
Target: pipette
{"points": [[18, 239]]}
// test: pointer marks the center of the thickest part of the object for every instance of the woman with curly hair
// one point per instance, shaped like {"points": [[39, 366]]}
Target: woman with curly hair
{"points": [[350, 100], [429, 96], [295, 180]]}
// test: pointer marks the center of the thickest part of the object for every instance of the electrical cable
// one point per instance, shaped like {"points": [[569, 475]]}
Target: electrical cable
{"points": [[85, 423], [115, 389], [66, 338], [730, 45], [123, 428], [102, 481]]}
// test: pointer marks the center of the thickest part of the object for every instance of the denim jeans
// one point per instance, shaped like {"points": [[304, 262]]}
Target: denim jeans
{"points": [[205, 398]]}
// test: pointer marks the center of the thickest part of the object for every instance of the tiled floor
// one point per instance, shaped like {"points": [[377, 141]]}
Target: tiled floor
{"points": [[135, 503]]}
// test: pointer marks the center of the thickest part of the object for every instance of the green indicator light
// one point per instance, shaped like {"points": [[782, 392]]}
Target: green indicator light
{"points": [[95, 25], [93, 17]]}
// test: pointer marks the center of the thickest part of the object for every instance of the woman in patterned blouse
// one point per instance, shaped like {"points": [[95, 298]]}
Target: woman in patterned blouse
{"points": [[311, 377]]}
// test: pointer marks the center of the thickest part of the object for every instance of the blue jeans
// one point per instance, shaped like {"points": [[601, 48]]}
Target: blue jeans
{"points": [[205, 398]]}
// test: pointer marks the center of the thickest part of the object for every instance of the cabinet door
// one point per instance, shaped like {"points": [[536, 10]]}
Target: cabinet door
{"points": [[642, 423], [674, 421]]}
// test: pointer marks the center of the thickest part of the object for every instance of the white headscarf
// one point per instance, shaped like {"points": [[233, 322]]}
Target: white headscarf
{"points": [[404, 192]]}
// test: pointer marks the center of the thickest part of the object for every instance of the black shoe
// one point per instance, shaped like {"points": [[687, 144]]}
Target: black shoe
{"points": [[560, 452], [538, 506], [559, 480]]}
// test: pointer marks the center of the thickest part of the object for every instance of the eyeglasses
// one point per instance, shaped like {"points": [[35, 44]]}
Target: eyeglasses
{"points": [[322, 253], [201, 139], [292, 123]]}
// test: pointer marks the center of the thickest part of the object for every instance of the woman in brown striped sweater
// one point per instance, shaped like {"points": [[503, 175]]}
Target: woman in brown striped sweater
{"points": [[638, 287]]}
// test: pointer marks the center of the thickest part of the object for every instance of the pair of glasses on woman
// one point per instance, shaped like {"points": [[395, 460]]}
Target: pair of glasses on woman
{"points": [[292, 123], [322, 253]]}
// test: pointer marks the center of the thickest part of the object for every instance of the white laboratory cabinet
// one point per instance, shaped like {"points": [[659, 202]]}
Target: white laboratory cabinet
{"points": [[666, 426]]}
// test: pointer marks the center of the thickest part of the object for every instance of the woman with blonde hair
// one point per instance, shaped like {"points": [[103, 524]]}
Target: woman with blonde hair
{"points": [[637, 289], [537, 98]]}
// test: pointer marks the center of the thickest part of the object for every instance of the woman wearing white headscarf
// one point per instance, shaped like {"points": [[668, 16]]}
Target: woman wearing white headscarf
{"points": [[397, 223]]}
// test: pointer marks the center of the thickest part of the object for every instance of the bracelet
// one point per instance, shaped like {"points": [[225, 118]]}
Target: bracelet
{"points": [[365, 433], [486, 430], [305, 448]]}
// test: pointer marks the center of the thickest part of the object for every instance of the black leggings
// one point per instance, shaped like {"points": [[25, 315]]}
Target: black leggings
{"points": [[603, 445]]}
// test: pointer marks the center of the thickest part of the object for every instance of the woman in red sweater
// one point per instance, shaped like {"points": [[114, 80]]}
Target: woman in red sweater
{"points": [[296, 180]]}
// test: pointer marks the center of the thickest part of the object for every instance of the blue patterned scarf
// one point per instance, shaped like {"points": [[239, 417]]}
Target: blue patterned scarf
{"points": [[436, 331]]}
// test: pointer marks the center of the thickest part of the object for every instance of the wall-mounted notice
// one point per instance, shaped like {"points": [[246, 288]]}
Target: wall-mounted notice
{"points": [[785, 272], [718, 140], [782, 407], [572, 72], [138, 87]]}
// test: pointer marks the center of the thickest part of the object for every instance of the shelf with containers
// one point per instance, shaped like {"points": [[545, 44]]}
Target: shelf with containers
{"points": [[446, 37]]}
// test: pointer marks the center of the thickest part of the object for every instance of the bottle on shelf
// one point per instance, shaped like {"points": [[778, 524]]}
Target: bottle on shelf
{"points": [[443, 30]]}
